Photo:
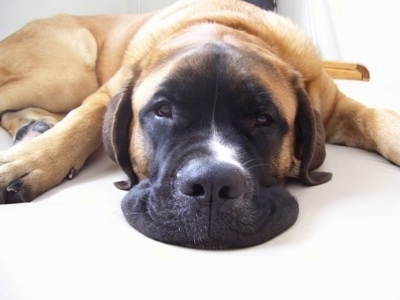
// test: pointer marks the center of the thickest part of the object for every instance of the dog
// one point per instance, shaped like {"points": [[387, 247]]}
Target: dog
{"points": [[207, 106]]}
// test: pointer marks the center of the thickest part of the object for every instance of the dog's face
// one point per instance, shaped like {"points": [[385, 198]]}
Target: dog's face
{"points": [[206, 132]]}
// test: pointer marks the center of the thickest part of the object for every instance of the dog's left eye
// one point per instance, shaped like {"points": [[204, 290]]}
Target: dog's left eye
{"points": [[263, 120], [164, 110]]}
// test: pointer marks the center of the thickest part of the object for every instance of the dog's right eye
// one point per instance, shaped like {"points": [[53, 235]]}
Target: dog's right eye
{"points": [[263, 120], [164, 110]]}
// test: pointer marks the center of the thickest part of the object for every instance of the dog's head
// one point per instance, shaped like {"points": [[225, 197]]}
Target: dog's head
{"points": [[206, 130]]}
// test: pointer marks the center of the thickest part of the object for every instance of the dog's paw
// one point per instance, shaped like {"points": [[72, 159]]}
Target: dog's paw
{"points": [[19, 176], [15, 192], [14, 180], [26, 172], [384, 126]]}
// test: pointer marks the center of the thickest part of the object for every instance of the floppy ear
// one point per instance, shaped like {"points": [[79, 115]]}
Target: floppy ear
{"points": [[310, 140], [116, 134]]}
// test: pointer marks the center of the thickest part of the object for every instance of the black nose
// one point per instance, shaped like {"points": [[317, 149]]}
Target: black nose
{"points": [[209, 182]]}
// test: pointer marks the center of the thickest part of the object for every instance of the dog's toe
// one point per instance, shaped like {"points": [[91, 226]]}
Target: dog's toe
{"points": [[18, 178], [14, 187], [14, 193]]}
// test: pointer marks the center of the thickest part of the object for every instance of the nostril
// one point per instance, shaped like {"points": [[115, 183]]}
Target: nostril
{"points": [[190, 186], [232, 191], [196, 190], [225, 193]]}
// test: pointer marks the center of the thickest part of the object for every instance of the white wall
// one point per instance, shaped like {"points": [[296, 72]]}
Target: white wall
{"points": [[366, 32], [369, 31], [15, 13], [149, 5]]}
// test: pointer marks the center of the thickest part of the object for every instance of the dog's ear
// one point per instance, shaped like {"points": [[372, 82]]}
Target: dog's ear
{"points": [[310, 140], [116, 134]]}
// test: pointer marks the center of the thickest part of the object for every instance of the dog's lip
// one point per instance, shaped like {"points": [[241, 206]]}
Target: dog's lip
{"points": [[141, 214], [177, 236]]}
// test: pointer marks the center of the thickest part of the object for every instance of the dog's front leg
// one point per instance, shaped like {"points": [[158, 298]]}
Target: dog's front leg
{"points": [[29, 169], [356, 125]]}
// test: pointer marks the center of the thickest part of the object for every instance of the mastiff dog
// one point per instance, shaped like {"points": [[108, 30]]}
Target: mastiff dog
{"points": [[207, 106]]}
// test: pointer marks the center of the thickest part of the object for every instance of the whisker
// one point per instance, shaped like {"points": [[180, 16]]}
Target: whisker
{"points": [[259, 165], [249, 161], [137, 213]]}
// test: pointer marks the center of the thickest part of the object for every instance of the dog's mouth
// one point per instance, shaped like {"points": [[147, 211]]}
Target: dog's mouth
{"points": [[209, 205]]}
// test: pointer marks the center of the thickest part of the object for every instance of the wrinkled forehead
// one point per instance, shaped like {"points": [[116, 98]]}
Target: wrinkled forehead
{"points": [[211, 67]]}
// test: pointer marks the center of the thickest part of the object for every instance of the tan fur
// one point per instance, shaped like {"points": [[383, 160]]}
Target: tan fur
{"points": [[97, 56]]}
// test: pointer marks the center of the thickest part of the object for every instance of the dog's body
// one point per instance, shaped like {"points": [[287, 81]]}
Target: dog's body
{"points": [[214, 103]]}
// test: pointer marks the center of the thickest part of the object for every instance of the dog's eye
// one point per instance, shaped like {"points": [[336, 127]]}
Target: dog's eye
{"points": [[263, 120], [164, 110]]}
